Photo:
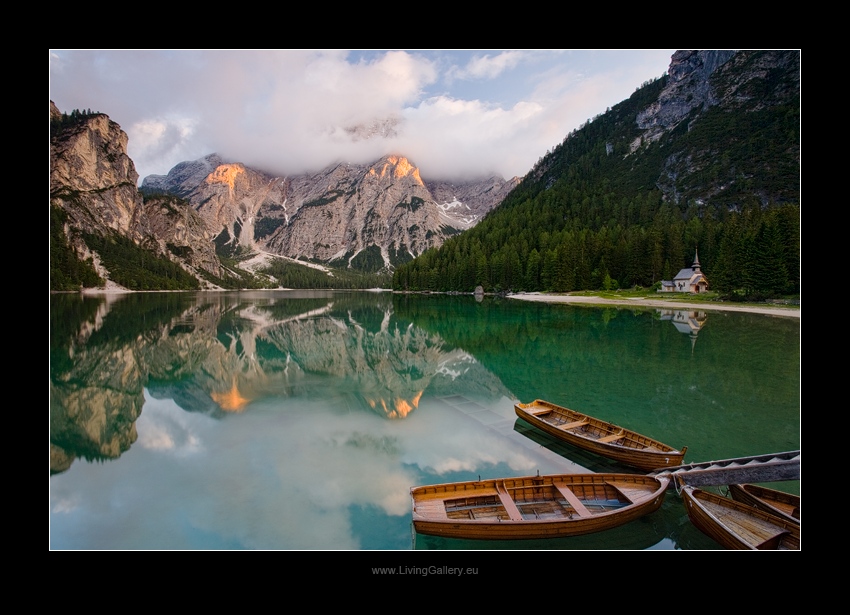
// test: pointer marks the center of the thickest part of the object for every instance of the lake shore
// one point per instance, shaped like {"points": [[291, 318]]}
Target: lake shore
{"points": [[787, 312], [659, 302]]}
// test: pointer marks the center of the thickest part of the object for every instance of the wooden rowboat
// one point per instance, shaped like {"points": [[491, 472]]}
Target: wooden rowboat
{"points": [[779, 503], [735, 525], [549, 506], [600, 437]]}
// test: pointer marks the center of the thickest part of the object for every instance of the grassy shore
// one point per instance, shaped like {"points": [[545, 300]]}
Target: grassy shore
{"points": [[789, 307]]}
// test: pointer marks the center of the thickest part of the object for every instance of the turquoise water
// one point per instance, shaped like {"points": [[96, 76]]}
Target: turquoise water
{"points": [[299, 420]]}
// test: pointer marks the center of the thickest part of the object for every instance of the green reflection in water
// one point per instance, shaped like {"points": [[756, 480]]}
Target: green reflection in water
{"points": [[730, 390], [294, 420]]}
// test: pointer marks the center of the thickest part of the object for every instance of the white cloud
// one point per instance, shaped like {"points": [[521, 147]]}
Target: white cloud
{"points": [[164, 426], [288, 111], [474, 138], [489, 67]]}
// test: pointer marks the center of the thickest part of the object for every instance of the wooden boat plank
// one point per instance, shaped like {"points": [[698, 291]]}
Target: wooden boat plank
{"points": [[752, 530], [573, 425], [785, 505], [634, 494], [508, 502], [612, 438], [435, 509], [572, 498], [447, 494]]}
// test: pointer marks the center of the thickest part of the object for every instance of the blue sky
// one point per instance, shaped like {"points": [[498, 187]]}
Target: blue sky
{"points": [[453, 113]]}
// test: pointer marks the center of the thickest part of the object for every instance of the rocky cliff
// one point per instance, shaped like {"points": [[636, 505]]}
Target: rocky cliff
{"points": [[369, 216], [93, 178], [703, 89], [94, 183]]}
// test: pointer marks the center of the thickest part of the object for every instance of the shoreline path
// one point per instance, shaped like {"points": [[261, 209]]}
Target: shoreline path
{"points": [[787, 312]]}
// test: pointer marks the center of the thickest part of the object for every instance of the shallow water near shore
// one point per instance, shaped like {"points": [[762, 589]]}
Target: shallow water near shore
{"points": [[299, 420]]}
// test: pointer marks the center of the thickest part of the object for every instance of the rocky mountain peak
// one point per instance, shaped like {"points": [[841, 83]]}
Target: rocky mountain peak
{"points": [[376, 129], [93, 182], [88, 158], [184, 177], [225, 174], [384, 209], [398, 167]]}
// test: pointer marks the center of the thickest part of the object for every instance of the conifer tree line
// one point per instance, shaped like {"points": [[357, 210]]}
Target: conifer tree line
{"points": [[755, 253], [591, 214], [59, 123]]}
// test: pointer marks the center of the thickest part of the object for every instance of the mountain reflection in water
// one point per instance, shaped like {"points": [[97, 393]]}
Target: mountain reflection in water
{"points": [[300, 419], [218, 353]]}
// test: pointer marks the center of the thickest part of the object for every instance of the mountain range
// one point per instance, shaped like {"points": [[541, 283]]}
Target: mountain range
{"points": [[206, 215], [716, 135], [371, 217]]}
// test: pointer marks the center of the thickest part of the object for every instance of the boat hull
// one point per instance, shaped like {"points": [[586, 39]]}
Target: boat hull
{"points": [[735, 525], [530, 507], [779, 503], [600, 437]]}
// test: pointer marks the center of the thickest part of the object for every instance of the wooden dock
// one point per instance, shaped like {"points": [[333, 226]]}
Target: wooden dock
{"points": [[756, 469]]}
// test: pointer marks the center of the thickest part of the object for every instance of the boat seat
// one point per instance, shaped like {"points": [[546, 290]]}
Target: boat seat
{"points": [[573, 425], [508, 503], [608, 439], [572, 499]]}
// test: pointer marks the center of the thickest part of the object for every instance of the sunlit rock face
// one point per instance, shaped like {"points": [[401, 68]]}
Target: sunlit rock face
{"points": [[333, 215], [184, 177], [92, 176], [93, 180], [229, 199]]}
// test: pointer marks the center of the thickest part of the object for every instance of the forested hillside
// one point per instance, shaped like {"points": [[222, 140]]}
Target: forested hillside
{"points": [[609, 208]]}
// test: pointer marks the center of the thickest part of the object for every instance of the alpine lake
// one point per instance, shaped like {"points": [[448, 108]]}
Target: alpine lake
{"points": [[299, 420]]}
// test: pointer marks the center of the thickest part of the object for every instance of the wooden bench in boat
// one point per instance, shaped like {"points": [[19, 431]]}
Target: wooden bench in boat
{"points": [[508, 503], [573, 425], [632, 494], [572, 498], [607, 439], [434, 509]]}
